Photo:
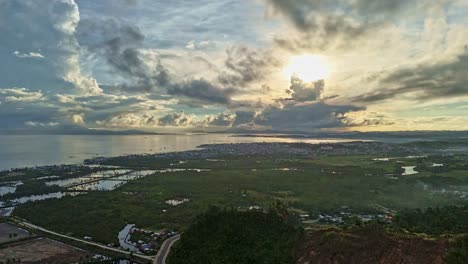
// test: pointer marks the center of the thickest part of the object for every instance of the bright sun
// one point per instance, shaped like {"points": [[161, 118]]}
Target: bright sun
{"points": [[308, 68]]}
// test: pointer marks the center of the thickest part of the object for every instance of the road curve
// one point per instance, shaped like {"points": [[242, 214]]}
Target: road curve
{"points": [[165, 249], [25, 224]]}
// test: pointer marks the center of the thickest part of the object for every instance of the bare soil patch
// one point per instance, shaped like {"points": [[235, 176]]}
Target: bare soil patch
{"points": [[43, 250], [370, 245]]}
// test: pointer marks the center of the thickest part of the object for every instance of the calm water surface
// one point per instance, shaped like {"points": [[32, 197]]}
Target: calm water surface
{"points": [[32, 150]]}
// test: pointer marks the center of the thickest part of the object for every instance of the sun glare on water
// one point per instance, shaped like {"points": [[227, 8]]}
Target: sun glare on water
{"points": [[308, 68]]}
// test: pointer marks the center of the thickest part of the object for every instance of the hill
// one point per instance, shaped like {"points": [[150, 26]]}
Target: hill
{"points": [[368, 245], [232, 237]]}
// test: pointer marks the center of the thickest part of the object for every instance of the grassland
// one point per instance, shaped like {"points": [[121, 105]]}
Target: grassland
{"points": [[306, 184]]}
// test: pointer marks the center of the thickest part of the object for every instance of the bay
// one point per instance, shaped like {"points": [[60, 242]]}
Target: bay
{"points": [[17, 151]]}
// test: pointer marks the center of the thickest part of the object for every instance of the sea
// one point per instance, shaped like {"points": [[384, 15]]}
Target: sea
{"points": [[18, 151]]}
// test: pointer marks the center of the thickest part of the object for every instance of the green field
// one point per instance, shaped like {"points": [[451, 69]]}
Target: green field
{"points": [[305, 184]]}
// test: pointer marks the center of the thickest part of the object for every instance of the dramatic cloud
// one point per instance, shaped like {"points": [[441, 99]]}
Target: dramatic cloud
{"points": [[203, 91], [304, 111], [45, 27], [302, 92], [78, 119], [121, 46], [423, 82], [364, 119], [175, 120], [336, 24], [305, 117], [305, 14], [20, 95], [70, 65], [129, 120], [246, 66], [225, 119]]}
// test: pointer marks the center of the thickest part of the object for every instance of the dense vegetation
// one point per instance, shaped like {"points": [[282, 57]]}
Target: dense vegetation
{"points": [[233, 237], [306, 185], [435, 221], [458, 253], [96, 214], [449, 220], [339, 185]]}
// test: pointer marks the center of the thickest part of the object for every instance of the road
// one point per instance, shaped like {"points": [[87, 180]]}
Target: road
{"points": [[165, 249], [86, 242]]}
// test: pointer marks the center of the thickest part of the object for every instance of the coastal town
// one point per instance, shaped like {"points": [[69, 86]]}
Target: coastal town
{"points": [[208, 152]]}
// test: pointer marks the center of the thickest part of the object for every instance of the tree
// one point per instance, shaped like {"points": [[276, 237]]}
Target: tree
{"points": [[458, 253], [229, 236]]}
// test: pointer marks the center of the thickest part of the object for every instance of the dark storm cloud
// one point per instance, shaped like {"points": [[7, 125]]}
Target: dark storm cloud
{"points": [[425, 81], [243, 117], [302, 92], [372, 121], [122, 47], [203, 91], [304, 111], [246, 66], [134, 66], [305, 117]]}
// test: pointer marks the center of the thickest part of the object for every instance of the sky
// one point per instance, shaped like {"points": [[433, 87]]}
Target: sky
{"points": [[230, 65]]}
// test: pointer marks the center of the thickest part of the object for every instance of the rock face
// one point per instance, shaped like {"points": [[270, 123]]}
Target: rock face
{"points": [[369, 245]]}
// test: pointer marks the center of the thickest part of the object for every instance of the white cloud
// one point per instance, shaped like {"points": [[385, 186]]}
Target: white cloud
{"points": [[200, 45], [129, 120], [41, 124], [33, 55], [78, 119], [20, 95], [48, 27], [149, 120], [190, 45]]}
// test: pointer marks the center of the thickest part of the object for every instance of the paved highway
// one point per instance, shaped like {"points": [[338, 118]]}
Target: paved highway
{"points": [[165, 249]]}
